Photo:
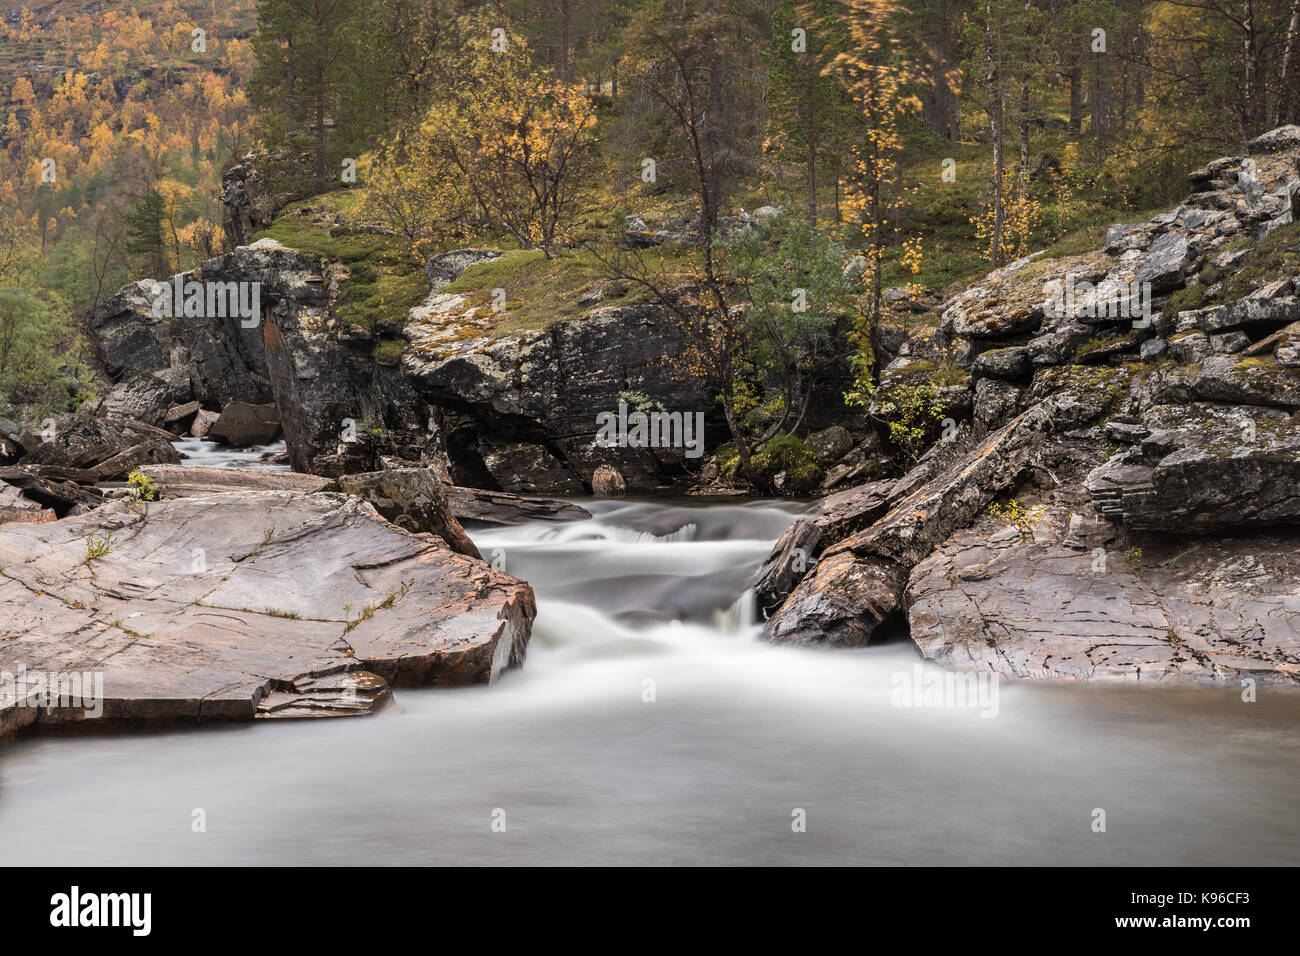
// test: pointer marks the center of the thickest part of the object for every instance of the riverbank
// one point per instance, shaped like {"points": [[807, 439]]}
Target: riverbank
{"points": [[739, 735]]}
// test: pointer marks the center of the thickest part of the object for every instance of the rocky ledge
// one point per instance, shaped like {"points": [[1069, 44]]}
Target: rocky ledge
{"points": [[1121, 499], [236, 606]]}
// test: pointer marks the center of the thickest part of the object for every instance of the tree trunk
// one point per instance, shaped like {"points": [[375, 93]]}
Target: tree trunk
{"points": [[810, 132], [993, 90], [1252, 88], [1286, 94], [564, 41], [1022, 183]]}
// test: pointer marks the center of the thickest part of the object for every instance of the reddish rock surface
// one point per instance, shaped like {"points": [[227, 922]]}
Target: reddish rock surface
{"points": [[239, 606]]}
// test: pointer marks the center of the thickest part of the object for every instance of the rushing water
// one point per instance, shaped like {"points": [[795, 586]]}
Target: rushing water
{"points": [[201, 451], [738, 735]]}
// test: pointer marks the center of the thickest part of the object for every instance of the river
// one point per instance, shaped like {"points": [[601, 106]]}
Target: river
{"points": [[650, 726]]}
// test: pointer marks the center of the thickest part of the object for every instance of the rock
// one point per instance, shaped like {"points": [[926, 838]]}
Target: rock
{"points": [[151, 451], [1043, 609], [15, 506], [444, 268], [1126, 236], [86, 443], [790, 559], [1269, 343], [496, 507], [1153, 350], [907, 298], [546, 389], [48, 486], [1165, 262], [858, 582], [852, 597], [830, 444], [997, 307], [1190, 348], [1012, 364], [1251, 381], [1229, 342], [1254, 310], [1284, 137], [1058, 344], [236, 606], [248, 202], [184, 481], [142, 398], [411, 498], [863, 463], [466, 504], [1204, 468], [180, 415], [996, 402], [607, 482], [203, 422], [241, 425], [525, 468]]}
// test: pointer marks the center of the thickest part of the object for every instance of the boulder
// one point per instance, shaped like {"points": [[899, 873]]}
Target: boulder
{"points": [[1201, 468], [527, 468], [1052, 608], [830, 444], [236, 606], [1058, 344], [15, 506], [1247, 381], [1165, 262], [60, 490], [1253, 311], [608, 482], [178, 418], [1283, 137], [996, 402], [241, 424], [86, 443], [184, 481], [411, 498], [836, 517], [1012, 364], [151, 451], [203, 422], [141, 397], [858, 582], [443, 268]]}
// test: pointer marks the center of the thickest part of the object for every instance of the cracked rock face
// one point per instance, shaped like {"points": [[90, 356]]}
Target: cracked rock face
{"points": [[1204, 467], [1216, 610], [236, 606]]}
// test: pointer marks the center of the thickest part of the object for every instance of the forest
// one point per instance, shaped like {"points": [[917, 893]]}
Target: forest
{"points": [[919, 144]]}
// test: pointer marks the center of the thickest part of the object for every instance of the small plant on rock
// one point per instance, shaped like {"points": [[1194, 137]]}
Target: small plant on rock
{"points": [[1013, 512], [98, 545], [141, 486]]}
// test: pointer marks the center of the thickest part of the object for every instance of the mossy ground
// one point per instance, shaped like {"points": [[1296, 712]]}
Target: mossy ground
{"points": [[541, 291], [1276, 256], [386, 279]]}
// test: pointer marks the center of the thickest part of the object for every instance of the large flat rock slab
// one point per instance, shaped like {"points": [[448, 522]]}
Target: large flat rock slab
{"points": [[467, 504], [235, 606], [1050, 607]]}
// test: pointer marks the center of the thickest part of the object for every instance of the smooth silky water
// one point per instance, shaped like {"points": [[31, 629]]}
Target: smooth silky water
{"points": [[738, 735]]}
